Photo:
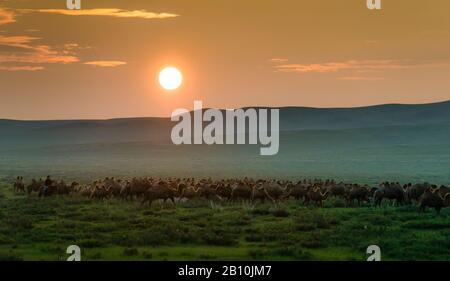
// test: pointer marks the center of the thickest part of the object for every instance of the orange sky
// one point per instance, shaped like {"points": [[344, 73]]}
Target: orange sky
{"points": [[103, 61]]}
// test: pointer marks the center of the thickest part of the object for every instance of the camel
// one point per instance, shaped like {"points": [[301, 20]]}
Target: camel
{"points": [[358, 193], [241, 191], [224, 191], [138, 187], [85, 191], [433, 199], [314, 191], [99, 191], [315, 195], [414, 192], [63, 189], [390, 191], [275, 192], [188, 192], [159, 191], [206, 190], [338, 190], [113, 186], [299, 191], [125, 192], [258, 193], [19, 186], [34, 186], [443, 190]]}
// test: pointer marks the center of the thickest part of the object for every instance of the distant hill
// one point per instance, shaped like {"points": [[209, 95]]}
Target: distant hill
{"points": [[368, 144], [157, 130], [301, 118], [37, 133]]}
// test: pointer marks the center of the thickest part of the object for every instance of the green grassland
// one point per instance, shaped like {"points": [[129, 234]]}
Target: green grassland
{"points": [[41, 229]]}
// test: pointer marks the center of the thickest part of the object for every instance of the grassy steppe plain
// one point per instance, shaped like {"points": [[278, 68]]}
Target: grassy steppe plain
{"points": [[42, 229]]}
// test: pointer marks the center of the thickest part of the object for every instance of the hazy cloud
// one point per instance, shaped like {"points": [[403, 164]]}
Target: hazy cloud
{"points": [[278, 60], [6, 16], [104, 12], [29, 52], [18, 51], [20, 41], [106, 63], [357, 65], [360, 78], [21, 68]]}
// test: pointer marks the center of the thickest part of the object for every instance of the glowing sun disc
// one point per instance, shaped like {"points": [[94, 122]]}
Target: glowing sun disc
{"points": [[170, 78]]}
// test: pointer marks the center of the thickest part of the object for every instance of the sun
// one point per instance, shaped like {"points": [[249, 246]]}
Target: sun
{"points": [[170, 78]]}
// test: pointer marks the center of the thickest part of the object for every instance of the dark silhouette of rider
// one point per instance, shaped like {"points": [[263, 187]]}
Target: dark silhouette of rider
{"points": [[47, 183]]}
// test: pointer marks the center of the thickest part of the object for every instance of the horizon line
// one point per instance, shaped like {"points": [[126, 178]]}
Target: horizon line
{"points": [[243, 107]]}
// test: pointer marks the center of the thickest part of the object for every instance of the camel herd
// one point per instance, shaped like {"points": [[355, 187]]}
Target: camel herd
{"points": [[316, 191]]}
